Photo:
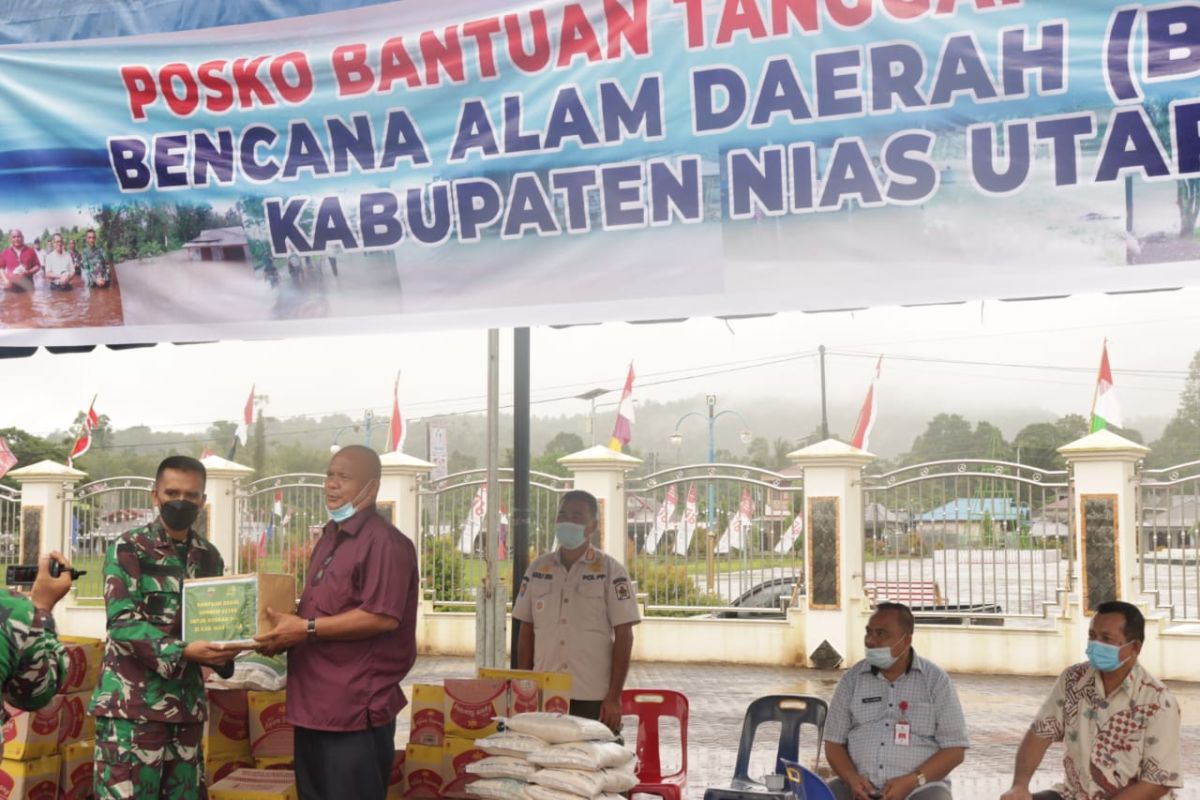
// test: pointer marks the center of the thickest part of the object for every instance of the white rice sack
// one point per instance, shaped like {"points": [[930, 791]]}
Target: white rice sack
{"points": [[610, 796], [585, 783], [497, 789], [255, 672], [511, 743], [502, 767], [582, 755], [559, 728], [535, 792], [620, 779]]}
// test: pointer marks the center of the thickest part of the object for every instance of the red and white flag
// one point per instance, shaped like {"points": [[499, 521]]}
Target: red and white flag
{"points": [[243, 429], [473, 525], [662, 519], [396, 428], [683, 537], [623, 429], [84, 442], [7, 459], [738, 530], [1106, 412], [866, 417], [787, 542]]}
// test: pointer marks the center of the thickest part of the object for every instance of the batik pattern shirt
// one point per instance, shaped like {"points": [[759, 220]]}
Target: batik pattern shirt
{"points": [[1130, 735]]}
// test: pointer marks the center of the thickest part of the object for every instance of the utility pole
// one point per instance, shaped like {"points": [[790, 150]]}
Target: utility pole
{"points": [[824, 415]]}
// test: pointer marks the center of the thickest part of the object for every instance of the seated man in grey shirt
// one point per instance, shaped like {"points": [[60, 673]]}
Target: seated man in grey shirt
{"points": [[895, 728]]}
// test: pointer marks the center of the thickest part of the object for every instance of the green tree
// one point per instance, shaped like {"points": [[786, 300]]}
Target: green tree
{"points": [[564, 443], [460, 462], [30, 449], [946, 436]]}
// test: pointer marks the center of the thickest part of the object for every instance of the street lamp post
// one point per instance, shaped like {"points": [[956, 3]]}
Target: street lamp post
{"points": [[367, 422], [713, 416], [591, 395]]}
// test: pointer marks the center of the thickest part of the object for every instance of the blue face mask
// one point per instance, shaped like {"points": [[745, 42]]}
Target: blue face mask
{"points": [[342, 513], [570, 534], [881, 657], [1104, 657]]}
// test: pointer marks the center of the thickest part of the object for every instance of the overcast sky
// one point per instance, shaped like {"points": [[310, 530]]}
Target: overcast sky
{"points": [[1151, 340]]}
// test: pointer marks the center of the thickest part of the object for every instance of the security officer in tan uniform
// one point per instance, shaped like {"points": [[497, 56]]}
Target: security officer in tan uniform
{"points": [[577, 610]]}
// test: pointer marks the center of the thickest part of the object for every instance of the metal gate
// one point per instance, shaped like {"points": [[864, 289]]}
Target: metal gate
{"points": [[1168, 538], [10, 526], [969, 537], [721, 538], [99, 512], [279, 519]]}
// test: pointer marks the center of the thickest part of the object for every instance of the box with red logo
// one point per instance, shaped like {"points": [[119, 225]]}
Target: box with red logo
{"points": [[227, 730], [75, 724], [220, 765], [422, 771], [32, 734], [83, 663], [395, 790], [276, 762], [471, 704], [75, 775], [456, 755], [554, 689], [255, 784], [428, 725], [30, 780], [270, 733]]}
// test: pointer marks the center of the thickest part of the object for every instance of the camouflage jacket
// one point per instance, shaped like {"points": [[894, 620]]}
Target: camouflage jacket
{"points": [[32, 661], [144, 676]]}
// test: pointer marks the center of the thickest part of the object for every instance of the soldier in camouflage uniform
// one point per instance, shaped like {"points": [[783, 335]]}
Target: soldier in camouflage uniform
{"points": [[32, 661], [149, 703]]}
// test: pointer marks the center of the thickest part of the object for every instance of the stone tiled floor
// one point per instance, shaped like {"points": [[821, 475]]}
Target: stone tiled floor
{"points": [[998, 709]]}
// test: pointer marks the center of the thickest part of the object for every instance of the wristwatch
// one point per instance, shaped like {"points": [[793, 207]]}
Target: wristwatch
{"points": [[312, 628], [921, 779]]}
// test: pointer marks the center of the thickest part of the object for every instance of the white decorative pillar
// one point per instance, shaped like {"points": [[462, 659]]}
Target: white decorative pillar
{"points": [[601, 471], [44, 523], [1105, 511], [398, 499], [221, 489], [833, 559]]}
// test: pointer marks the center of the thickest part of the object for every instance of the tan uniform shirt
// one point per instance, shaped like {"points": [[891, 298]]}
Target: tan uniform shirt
{"points": [[1131, 735], [573, 614]]}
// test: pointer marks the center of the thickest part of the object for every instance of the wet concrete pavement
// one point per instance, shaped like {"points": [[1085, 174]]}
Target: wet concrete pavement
{"points": [[998, 709]]}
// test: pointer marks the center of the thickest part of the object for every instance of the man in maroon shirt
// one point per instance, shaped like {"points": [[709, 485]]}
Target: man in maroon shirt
{"points": [[352, 640], [20, 263]]}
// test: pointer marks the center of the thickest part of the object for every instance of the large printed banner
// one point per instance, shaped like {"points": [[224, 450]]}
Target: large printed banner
{"points": [[488, 163]]}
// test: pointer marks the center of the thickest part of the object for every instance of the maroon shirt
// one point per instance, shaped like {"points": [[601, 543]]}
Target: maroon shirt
{"points": [[351, 686]]}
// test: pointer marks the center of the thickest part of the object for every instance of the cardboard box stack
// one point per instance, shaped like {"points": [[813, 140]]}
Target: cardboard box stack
{"points": [[272, 739], [226, 734], [255, 784], [448, 720], [48, 753]]}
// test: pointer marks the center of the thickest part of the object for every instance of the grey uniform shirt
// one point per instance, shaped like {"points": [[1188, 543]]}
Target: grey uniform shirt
{"points": [[866, 707], [573, 613]]}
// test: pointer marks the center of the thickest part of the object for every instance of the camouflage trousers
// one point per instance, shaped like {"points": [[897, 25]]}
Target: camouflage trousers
{"points": [[148, 761]]}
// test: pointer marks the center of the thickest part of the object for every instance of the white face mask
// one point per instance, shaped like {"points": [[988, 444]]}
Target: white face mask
{"points": [[881, 657], [570, 534]]}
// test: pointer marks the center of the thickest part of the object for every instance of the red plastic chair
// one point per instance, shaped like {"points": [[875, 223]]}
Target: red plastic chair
{"points": [[650, 706]]}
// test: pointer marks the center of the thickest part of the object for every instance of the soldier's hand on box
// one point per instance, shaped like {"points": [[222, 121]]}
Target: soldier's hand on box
{"points": [[287, 631], [213, 655]]}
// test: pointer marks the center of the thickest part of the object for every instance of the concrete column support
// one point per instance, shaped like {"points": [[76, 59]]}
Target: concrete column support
{"points": [[602, 471], [224, 480], [398, 497], [833, 560], [45, 487], [1105, 511]]}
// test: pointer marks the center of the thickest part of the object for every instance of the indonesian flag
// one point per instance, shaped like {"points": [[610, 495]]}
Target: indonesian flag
{"points": [[243, 429], [738, 528], [683, 537], [85, 436], [662, 519], [474, 524], [1105, 411], [623, 429], [396, 429], [866, 417], [7, 459], [788, 541]]}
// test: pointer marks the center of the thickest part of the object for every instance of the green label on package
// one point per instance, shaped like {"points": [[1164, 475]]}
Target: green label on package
{"points": [[222, 611]]}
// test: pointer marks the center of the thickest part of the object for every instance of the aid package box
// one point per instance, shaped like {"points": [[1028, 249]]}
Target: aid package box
{"points": [[255, 784], [36, 778], [227, 729], [422, 771], [83, 663], [457, 755], [270, 733], [75, 724], [29, 735], [75, 775], [427, 708], [554, 689], [233, 610]]}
